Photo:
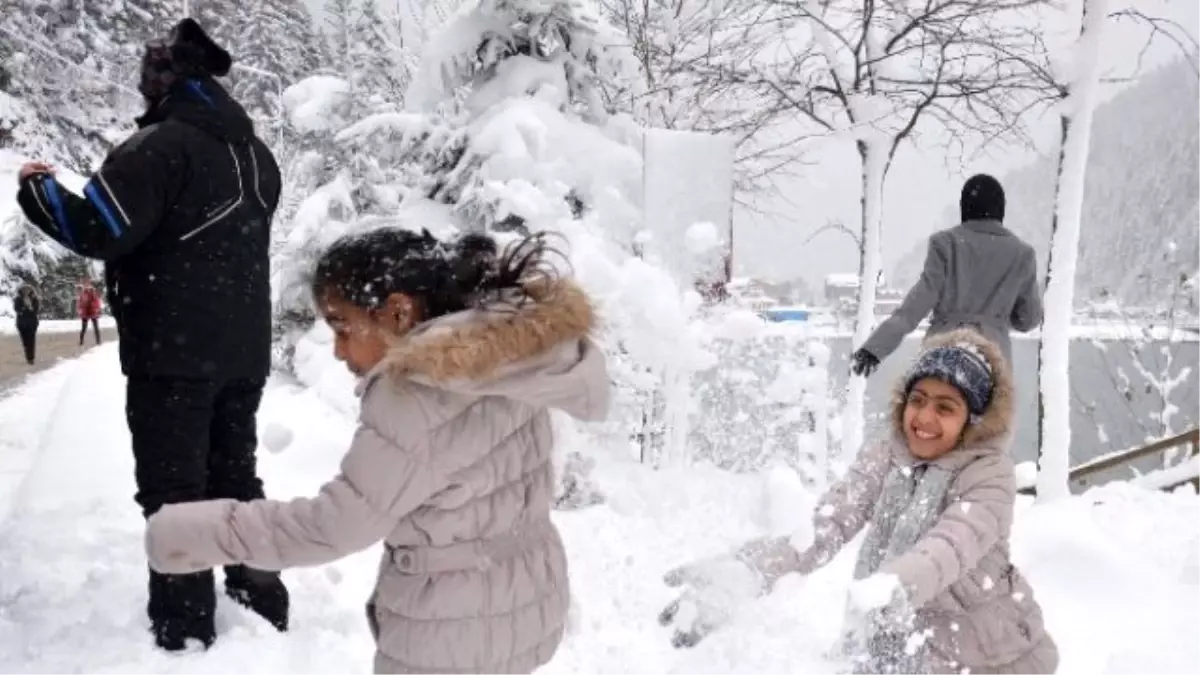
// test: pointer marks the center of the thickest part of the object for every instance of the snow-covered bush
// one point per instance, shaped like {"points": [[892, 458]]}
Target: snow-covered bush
{"points": [[763, 399]]}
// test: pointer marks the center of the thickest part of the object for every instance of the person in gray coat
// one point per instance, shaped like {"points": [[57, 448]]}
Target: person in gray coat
{"points": [[977, 274]]}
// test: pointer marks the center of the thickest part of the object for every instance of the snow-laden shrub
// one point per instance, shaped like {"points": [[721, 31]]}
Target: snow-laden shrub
{"points": [[763, 399]]}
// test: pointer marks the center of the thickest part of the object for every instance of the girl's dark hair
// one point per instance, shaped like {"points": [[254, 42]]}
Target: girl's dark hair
{"points": [[445, 277]]}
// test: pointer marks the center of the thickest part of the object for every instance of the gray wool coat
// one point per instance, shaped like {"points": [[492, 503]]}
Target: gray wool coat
{"points": [[977, 274]]}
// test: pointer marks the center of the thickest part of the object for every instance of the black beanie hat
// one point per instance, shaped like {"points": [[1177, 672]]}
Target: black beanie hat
{"points": [[188, 52], [982, 199]]}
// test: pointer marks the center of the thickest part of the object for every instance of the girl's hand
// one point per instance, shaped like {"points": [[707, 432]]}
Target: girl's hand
{"points": [[880, 619], [876, 592], [715, 588], [191, 537]]}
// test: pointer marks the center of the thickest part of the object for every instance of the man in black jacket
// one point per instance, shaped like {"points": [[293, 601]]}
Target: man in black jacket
{"points": [[181, 214]]}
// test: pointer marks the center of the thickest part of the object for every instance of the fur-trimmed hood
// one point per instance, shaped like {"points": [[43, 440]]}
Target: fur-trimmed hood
{"points": [[538, 352], [993, 431]]}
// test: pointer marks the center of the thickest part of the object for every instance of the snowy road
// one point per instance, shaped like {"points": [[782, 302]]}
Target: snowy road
{"points": [[53, 345], [1116, 570]]}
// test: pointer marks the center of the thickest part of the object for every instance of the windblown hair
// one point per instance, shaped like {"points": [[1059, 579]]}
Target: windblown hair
{"points": [[444, 277]]}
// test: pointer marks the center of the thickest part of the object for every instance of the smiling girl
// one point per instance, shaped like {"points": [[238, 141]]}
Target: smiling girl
{"points": [[463, 353], [935, 589]]}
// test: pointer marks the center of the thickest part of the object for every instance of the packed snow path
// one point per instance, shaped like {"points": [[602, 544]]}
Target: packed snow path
{"points": [[1116, 570], [56, 340]]}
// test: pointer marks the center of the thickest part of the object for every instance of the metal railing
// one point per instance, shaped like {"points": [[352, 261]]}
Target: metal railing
{"points": [[1080, 476]]}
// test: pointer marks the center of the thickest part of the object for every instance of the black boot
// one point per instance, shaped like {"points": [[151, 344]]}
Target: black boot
{"points": [[261, 592], [182, 607]]}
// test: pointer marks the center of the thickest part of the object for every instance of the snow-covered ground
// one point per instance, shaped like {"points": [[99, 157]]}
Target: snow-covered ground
{"points": [[1117, 569]]}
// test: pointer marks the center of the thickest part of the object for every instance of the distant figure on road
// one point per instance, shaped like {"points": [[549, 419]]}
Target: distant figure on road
{"points": [[89, 306], [977, 274], [27, 306]]}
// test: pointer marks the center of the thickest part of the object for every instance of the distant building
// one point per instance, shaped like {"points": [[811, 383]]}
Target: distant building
{"points": [[841, 294], [841, 287]]}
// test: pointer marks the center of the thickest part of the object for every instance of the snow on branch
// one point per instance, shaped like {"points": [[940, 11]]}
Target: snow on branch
{"points": [[689, 58]]}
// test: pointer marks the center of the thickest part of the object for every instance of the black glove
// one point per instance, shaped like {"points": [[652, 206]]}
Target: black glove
{"points": [[863, 363]]}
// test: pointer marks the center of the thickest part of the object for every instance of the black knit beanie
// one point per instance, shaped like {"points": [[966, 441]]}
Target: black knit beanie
{"points": [[982, 199], [188, 52]]}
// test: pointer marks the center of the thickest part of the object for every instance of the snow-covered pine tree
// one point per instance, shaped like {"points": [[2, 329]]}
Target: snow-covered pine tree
{"points": [[505, 132], [276, 37], [25, 253], [378, 66], [554, 52], [62, 76], [339, 15]]}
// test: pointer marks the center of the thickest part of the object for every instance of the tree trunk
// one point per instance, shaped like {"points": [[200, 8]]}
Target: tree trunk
{"points": [[1064, 128], [1055, 348], [874, 161]]}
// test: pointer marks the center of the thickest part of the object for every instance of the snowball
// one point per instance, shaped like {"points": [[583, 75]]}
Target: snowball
{"points": [[874, 592], [1026, 474], [702, 237], [276, 437]]}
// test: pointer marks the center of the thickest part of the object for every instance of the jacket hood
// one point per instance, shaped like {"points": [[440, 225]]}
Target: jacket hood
{"points": [[537, 352], [993, 431], [202, 102]]}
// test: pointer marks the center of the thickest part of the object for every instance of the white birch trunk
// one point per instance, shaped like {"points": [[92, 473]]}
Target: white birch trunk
{"points": [[1054, 357], [874, 156]]}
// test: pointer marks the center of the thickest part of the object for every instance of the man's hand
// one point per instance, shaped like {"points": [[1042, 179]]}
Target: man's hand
{"points": [[863, 363], [31, 168]]}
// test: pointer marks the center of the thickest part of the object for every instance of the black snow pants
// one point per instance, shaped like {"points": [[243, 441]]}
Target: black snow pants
{"points": [[28, 331], [83, 329], [193, 440]]}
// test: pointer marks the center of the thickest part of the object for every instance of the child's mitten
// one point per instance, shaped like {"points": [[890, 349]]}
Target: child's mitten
{"points": [[880, 623], [715, 588]]}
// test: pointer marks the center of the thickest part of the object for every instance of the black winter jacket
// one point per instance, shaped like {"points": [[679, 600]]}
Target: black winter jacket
{"points": [[27, 310], [181, 214]]}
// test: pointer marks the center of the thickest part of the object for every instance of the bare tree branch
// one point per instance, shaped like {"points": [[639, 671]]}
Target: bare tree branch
{"points": [[1165, 28], [836, 226]]}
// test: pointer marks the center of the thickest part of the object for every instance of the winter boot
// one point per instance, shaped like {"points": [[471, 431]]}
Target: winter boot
{"points": [[261, 592], [182, 607]]}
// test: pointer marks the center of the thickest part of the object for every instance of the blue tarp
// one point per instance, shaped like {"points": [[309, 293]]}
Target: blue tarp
{"points": [[786, 314]]}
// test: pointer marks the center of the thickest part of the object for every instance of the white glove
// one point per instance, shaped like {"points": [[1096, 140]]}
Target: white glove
{"points": [[877, 592], [878, 625], [715, 588]]}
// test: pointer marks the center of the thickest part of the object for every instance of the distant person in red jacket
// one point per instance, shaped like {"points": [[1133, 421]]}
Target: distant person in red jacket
{"points": [[89, 308]]}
